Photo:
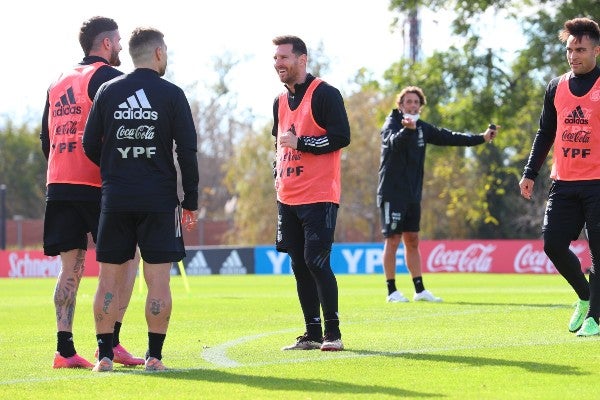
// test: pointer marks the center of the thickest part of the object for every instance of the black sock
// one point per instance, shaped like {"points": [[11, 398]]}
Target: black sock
{"points": [[391, 285], [64, 344], [313, 327], [116, 332], [418, 282], [332, 326], [155, 345], [105, 348]]}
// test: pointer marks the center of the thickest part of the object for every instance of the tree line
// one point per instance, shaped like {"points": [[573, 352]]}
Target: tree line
{"points": [[468, 192]]}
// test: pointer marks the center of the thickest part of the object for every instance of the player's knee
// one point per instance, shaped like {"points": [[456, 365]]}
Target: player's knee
{"points": [[411, 239], [554, 244], [319, 260]]}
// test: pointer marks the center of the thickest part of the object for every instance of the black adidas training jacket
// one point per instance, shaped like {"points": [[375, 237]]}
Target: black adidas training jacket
{"points": [[402, 162], [544, 138], [133, 124]]}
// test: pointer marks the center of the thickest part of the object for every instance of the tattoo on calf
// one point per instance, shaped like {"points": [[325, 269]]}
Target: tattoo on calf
{"points": [[108, 297], [64, 300], [156, 306]]}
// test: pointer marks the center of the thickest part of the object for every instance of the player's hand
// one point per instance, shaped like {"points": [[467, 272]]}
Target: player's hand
{"points": [[526, 186], [189, 219], [491, 132], [288, 139], [409, 123]]}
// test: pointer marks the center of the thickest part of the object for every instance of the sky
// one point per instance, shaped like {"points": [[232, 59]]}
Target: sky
{"points": [[42, 41]]}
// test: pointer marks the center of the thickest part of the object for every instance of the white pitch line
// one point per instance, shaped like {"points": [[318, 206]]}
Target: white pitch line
{"points": [[224, 362], [217, 355], [219, 360]]}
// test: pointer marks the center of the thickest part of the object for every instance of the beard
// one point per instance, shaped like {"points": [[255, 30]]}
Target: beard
{"points": [[290, 77], [115, 61]]}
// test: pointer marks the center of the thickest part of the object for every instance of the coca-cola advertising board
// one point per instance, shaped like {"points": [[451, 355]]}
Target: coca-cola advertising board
{"points": [[495, 256]]}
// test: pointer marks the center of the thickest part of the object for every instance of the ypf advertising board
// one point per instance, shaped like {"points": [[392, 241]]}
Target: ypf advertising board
{"points": [[473, 256], [352, 258]]}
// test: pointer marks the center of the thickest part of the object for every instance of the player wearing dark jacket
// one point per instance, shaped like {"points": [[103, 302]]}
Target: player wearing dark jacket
{"points": [[403, 156], [404, 138], [130, 136], [134, 124]]}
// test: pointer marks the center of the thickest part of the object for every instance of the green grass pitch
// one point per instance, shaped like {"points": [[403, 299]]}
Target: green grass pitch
{"points": [[493, 337]]}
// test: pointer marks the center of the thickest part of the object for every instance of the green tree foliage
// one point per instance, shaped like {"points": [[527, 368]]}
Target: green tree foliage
{"points": [[459, 184], [22, 170], [221, 125], [474, 192], [250, 176], [358, 218]]}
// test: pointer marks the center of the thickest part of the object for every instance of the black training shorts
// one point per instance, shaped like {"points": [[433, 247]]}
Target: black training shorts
{"points": [[157, 234], [305, 225], [67, 223], [571, 205], [397, 217]]}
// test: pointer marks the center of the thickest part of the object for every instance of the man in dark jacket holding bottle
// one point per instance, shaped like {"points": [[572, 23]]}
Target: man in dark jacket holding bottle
{"points": [[403, 141]]}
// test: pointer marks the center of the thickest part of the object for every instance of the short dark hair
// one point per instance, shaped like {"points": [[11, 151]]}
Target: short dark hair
{"points": [[90, 30], [298, 45], [142, 39], [579, 27]]}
